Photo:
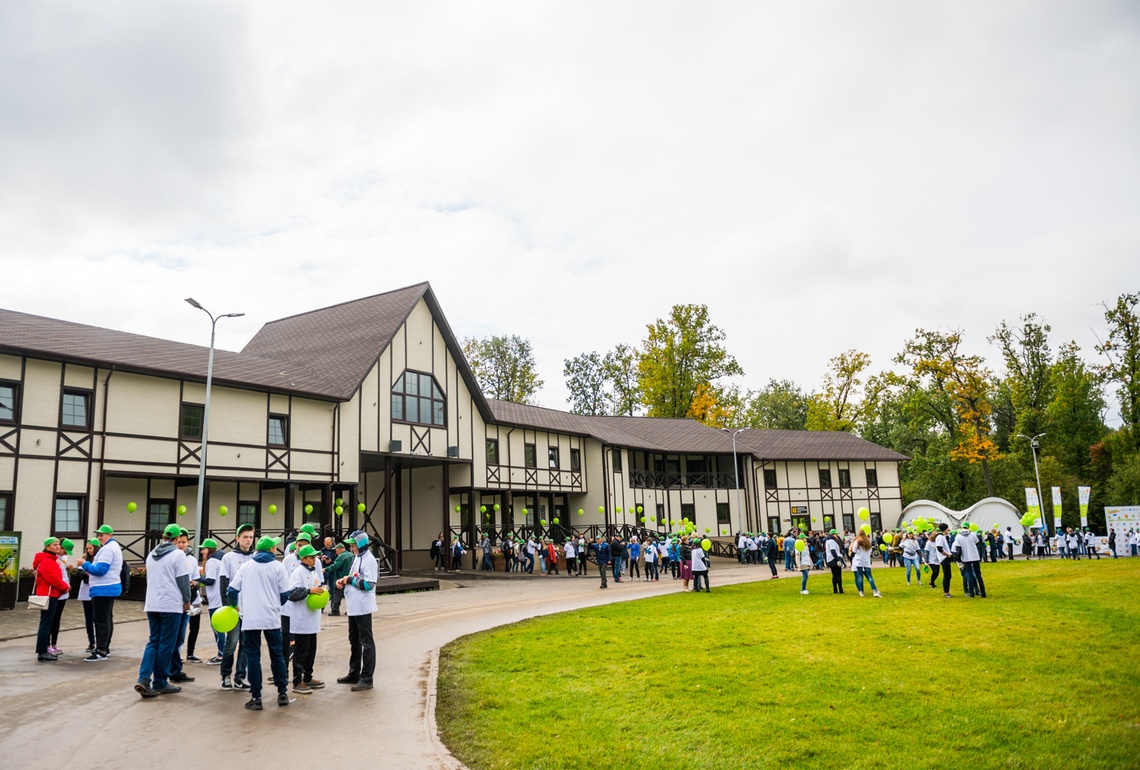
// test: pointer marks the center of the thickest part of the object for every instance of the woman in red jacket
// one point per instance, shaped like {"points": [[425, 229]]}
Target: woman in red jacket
{"points": [[51, 583]]}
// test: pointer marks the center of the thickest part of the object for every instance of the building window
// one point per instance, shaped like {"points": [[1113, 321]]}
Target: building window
{"points": [[278, 430], [530, 455], [159, 513], [616, 455], [9, 398], [825, 478], [689, 511], [247, 514], [770, 478], [190, 426], [848, 522], [773, 525], [722, 515], [492, 451], [844, 478], [68, 519], [872, 477], [315, 516], [575, 459], [828, 523], [552, 457], [417, 398], [76, 409], [6, 517], [661, 514], [876, 522]]}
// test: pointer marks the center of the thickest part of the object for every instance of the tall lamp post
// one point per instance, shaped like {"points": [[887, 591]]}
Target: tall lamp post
{"points": [[735, 471], [1033, 444], [199, 535]]}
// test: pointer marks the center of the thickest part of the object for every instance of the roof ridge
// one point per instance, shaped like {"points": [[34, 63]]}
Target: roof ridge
{"points": [[425, 284]]}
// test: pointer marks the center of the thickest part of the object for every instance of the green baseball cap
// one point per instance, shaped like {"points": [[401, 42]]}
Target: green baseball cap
{"points": [[95, 542], [243, 527], [268, 543], [51, 541], [172, 531], [304, 536], [833, 532], [209, 543], [341, 545], [105, 530], [184, 532], [306, 550], [310, 528], [68, 545]]}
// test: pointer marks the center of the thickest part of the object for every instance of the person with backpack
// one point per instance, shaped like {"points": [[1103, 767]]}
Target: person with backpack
{"points": [[834, 558], [108, 578]]}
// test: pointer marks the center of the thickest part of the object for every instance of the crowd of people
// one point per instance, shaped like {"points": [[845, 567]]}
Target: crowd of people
{"points": [[275, 602]]}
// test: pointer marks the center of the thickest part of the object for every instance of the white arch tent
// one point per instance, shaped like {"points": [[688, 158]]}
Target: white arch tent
{"points": [[985, 513]]}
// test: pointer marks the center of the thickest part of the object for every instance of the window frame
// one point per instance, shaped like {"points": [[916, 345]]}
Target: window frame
{"points": [[776, 529], [77, 533], [689, 511], [8, 514], [553, 458], [727, 518], [284, 418], [845, 478], [399, 390], [171, 514], [256, 513], [872, 478], [848, 522], [575, 459], [774, 480], [182, 434], [530, 455], [88, 402], [492, 450], [825, 478], [615, 459], [15, 405]]}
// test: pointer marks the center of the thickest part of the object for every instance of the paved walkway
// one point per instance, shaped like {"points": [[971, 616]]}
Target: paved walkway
{"points": [[89, 710]]}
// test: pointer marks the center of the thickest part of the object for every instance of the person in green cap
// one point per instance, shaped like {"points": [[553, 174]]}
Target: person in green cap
{"points": [[233, 655], [182, 543], [260, 587], [90, 551], [290, 563], [50, 583], [167, 599], [833, 555], [211, 577], [305, 622], [338, 569], [66, 548], [105, 580]]}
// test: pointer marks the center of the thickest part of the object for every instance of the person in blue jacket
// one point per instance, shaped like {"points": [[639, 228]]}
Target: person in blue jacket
{"points": [[602, 557]]}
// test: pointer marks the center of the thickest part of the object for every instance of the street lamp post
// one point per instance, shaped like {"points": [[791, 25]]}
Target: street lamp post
{"points": [[1033, 444], [735, 470], [199, 536]]}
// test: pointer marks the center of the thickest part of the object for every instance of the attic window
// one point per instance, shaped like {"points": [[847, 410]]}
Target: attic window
{"points": [[417, 398]]}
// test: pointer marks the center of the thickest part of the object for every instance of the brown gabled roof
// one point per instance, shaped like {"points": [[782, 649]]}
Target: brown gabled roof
{"points": [[26, 334], [685, 436], [343, 342], [813, 445]]}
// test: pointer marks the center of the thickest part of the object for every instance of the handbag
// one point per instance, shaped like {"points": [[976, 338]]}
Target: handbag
{"points": [[38, 602]]}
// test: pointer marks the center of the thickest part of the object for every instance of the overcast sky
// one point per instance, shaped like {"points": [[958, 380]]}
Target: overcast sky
{"points": [[823, 175]]}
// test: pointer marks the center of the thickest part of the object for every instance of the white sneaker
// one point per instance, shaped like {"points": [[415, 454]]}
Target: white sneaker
{"points": [[860, 593], [804, 592], [876, 594]]}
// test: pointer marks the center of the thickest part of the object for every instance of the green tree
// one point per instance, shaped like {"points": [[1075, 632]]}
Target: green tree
{"points": [[1121, 350], [620, 369], [1074, 417], [836, 406], [680, 354], [586, 381], [779, 405], [504, 367], [1028, 363]]}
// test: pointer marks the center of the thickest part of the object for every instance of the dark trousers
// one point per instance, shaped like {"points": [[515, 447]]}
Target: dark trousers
{"points": [[698, 576], [602, 571], [251, 641], [159, 648], [176, 654], [102, 608], [43, 634], [582, 565], [837, 577], [286, 637], [56, 620], [234, 655], [1009, 550], [195, 625], [304, 655], [972, 575], [944, 568], [337, 594], [772, 566], [362, 648], [89, 622]]}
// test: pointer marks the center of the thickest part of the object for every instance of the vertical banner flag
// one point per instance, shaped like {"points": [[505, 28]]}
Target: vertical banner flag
{"points": [[1033, 503], [1056, 508], [1083, 498]]}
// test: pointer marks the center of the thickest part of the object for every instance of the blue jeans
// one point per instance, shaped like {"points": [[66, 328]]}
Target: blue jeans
{"points": [[803, 581], [155, 665], [251, 640], [972, 575], [860, 573], [917, 570], [176, 654], [788, 560]]}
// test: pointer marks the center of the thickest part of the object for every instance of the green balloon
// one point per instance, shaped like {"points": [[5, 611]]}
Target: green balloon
{"points": [[800, 545], [706, 544], [132, 507], [223, 510], [360, 507], [580, 511], [542, 522], [556, 521], [482, 509], [642, 519], [272, 509], [315, 601], [308, 510], [524, 511], [182, 510], [339, 510], [639, 509], [601, 509], [458, 508], [224, 620]]}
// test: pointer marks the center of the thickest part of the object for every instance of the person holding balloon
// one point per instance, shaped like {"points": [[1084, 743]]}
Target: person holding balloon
{"points": [[834, 559], [262, 586], [700, 561], [308, 595], [803, 557], [210, 571], [233, 654]]}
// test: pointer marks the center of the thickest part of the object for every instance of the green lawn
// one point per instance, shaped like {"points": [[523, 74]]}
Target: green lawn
{"points": [[1043, 674]]}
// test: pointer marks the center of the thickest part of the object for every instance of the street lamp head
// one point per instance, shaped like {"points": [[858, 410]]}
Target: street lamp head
{"points": [[194, 303], [233, 315]]}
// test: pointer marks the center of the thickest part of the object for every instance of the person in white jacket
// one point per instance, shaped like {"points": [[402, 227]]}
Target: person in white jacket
{"points": [[305, 622], [803, 557], [359, 587], [260, 587]]}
